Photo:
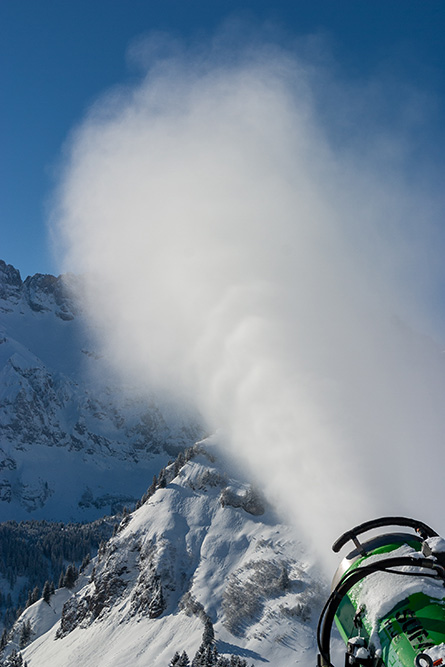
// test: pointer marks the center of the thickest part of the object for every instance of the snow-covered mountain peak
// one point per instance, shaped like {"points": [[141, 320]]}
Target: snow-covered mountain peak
{"points": [[40, 293], [183, 562], [46, 293]]}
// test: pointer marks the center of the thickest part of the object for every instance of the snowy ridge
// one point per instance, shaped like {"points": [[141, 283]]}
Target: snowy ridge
{"points": [[72, 446], [184, 557]]}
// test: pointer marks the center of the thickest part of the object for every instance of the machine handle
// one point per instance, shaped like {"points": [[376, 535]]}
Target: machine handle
{"points": [[422, 528]]}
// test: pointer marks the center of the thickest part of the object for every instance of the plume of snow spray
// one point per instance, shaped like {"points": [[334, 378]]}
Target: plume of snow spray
{"points": [[234, 259]]}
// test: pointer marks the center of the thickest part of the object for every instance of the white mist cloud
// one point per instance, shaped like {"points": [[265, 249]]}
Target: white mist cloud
{"points": [[239, 261]]}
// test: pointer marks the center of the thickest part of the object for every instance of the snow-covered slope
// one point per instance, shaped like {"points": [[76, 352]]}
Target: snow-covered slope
{"points": [[203, 549], [72, 446]]}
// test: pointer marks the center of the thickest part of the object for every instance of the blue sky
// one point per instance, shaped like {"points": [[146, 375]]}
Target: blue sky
{"points": [[57, 56]]}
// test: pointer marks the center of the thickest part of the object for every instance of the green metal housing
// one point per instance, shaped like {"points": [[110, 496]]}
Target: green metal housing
{"points": [[411, 627]]}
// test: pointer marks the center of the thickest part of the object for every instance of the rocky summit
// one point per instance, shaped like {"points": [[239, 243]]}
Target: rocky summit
{"points": [[75, 443]]}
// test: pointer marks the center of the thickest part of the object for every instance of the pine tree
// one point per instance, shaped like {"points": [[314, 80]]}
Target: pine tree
{"points": [[33, 596], [283, 579], [25, 633], [208, 636], [206, 656], [85, 562], [46, 592], [236, 661], [157, 604], [70, 577], [15, 660], [179, 463], [214, 655], [197, 660], [162, 481], [223, 662], [9, 617], [184, 660], [152, 488]]}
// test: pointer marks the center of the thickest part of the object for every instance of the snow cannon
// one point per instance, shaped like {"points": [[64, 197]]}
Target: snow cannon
{"points": [[388, 597]]}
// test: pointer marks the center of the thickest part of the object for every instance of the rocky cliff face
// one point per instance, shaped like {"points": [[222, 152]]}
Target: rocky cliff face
{"points": [[41, 293], [74, 443]]}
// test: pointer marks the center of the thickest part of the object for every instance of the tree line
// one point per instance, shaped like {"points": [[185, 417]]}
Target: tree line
{"points": [[42, 553]]}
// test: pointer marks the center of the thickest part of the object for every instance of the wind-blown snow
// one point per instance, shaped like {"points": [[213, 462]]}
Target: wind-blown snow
{"points": [[246, 257]]}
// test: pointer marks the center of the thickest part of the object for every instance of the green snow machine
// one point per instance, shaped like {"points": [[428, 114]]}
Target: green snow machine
{"points": [[388, 598]]}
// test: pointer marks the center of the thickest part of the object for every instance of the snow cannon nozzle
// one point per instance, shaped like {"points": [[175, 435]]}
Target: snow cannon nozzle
{"points": [[397, 618]]}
